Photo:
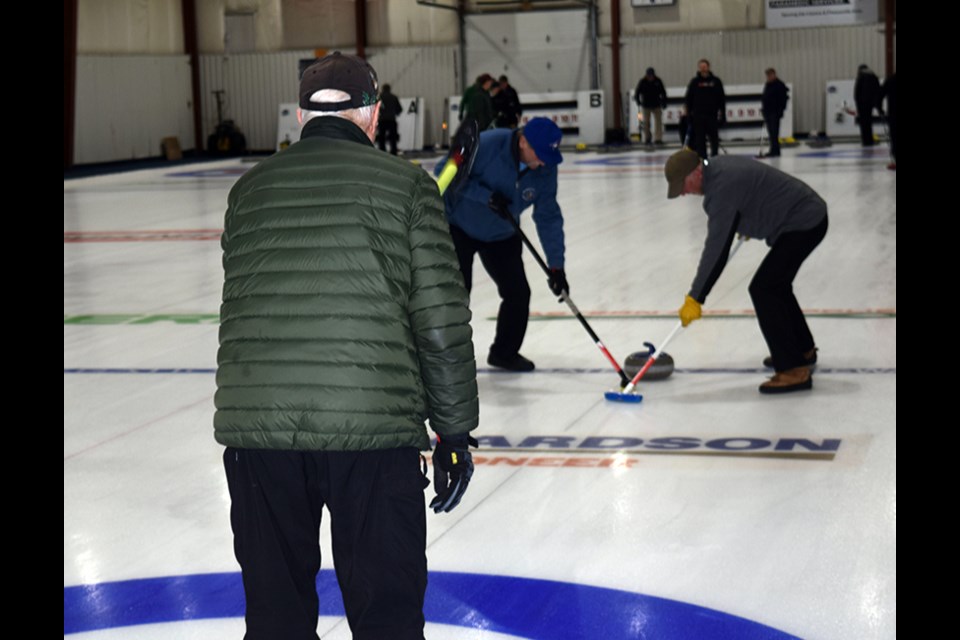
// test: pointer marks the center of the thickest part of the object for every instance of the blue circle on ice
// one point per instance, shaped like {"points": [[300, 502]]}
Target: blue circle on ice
{"points": [[524, 607]]}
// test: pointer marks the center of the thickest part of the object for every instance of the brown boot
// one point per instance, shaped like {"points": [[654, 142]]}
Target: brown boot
{"points": [[797, 379]]}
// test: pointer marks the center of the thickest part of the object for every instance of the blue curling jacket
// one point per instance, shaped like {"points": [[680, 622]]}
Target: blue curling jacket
{"points": [[497, 168]]}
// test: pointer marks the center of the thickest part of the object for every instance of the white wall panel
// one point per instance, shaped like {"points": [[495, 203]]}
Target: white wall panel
{"points": [[129, 27], [684, 15], [540, 52], [254, 85], [127, 104]]}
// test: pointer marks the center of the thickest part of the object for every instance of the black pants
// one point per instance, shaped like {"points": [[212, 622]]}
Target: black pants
{"points": [[865, 120], [778, 312], [773, 130], [892, 126], [706, 127], [502, 260], [378, 522], [387, 132]]}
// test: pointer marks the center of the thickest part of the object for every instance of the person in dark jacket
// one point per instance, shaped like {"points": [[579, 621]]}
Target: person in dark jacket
{"points": [[651, 97], [774, 103], [476, 102], [706, 104], [389, 110], [512, 170], [746, 197], [344, 326], [866, 95], [506, 104]]}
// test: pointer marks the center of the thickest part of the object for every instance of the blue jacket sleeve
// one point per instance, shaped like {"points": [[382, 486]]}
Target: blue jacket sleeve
{"points": [[549, 221]]}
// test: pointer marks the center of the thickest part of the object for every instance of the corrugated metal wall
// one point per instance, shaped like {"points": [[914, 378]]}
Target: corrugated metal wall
{"points": [[430, 72], [807, 58], [127, 104], [256, 83]]}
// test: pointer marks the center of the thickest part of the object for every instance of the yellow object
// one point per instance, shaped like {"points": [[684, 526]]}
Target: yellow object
{"points": [[581, 146], [690, 311], [453, 457], [447, 175]]}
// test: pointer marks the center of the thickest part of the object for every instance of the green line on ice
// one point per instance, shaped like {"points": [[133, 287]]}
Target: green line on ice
{"points": [[140, 318]]}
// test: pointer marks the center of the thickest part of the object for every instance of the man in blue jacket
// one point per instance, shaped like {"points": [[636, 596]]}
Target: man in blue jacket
{"points": [[512, 170]]}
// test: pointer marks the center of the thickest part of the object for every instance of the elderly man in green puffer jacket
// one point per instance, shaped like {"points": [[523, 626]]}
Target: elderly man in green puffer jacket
{"points": [[344, 326]]}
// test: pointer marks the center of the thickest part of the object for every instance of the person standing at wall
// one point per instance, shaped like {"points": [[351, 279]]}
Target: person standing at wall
{"points": [[506, 104], [866, 95], [476, 102], [706, 104], [774, 103], [389, 110], [651, 97]]}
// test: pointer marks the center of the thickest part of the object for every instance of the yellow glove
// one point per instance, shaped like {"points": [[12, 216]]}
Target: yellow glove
{"points": [[690, 311]]}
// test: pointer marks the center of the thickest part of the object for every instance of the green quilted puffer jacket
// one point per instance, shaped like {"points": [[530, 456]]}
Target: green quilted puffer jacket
{"points": [[345, 322]]}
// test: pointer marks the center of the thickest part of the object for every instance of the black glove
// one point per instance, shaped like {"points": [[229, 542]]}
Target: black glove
{"points": [[452, 470], [500, 204], [558, 282]]}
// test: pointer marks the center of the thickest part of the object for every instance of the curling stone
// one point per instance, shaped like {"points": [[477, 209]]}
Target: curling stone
{"points": [[661, 368]]}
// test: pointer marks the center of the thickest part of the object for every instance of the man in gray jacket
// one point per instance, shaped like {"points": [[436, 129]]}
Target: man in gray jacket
{"points": [[742, 196], [344, 326]]}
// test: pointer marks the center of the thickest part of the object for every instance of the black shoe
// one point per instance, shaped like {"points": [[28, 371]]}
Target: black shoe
{"points": [[659, 143], [515, 362], [809, 359]]}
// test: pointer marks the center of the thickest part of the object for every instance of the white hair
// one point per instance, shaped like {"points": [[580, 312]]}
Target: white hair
{"points": [[363, 117]]}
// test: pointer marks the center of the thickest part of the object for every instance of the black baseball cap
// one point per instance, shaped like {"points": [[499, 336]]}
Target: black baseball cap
{"points": [[344, 72]]}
